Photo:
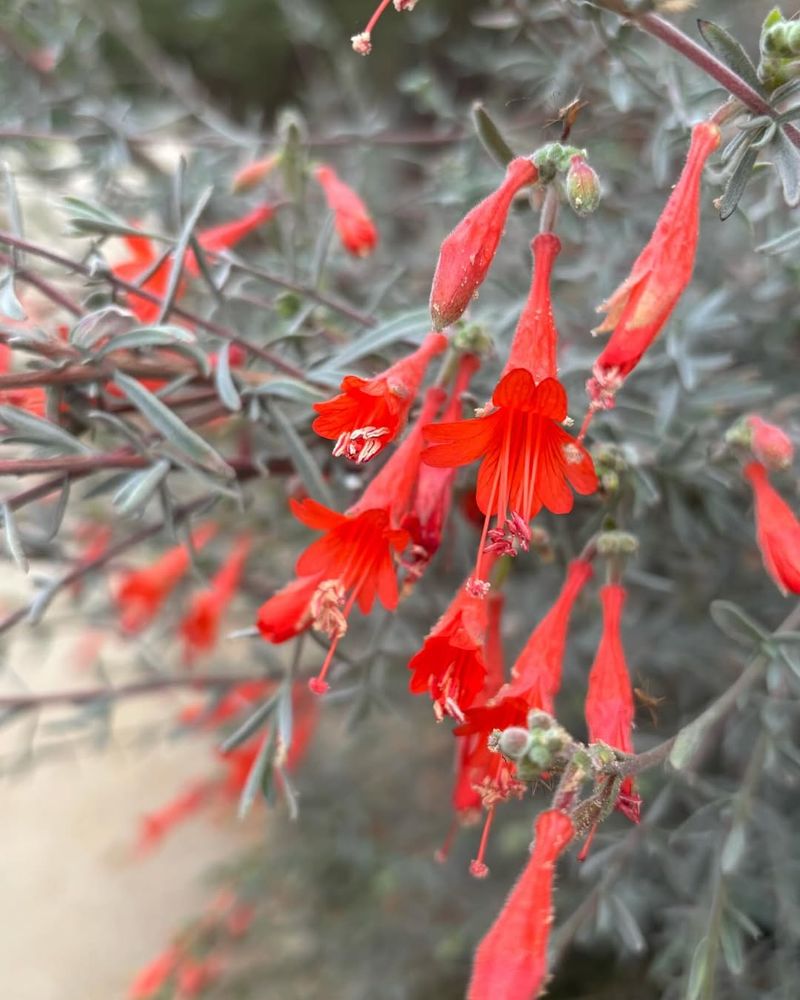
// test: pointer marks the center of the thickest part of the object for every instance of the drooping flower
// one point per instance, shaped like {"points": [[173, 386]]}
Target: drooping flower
{"points": [[433, 494], [639, 308], [771, 445], [354, 224], [777, 531], [536, 675], [369, 413], [142, 592], [451, 665], [609, 702], [155, 825], [467, 253], [288, 612], [536, 339], [528, 459], [143, 257], [253, 173], [511, 960], [150, 980], [200, 626]]}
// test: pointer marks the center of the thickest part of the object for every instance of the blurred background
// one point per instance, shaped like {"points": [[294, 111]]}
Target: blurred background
{"points": [[105, 101]]}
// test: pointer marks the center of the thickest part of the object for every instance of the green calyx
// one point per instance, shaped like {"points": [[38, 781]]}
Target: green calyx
{"points": [[780, 49]]}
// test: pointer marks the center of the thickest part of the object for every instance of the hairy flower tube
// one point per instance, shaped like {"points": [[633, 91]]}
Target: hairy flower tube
{"points": [[639, 308], [370, 413], [467, 253], [777, 531], [353, 222]]}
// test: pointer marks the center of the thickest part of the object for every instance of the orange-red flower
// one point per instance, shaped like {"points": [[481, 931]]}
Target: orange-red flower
{"points": [[200, 626], [609, 701], [511, 960], [771, 445], [528, 459], [643, 303], [777, 531], [369, 413], [536, 339], [154, 977], [451, 665], [467, 253], [143, 256], [353, 222], [142, 592], [253, 173], [536, 675], [288, 612]]}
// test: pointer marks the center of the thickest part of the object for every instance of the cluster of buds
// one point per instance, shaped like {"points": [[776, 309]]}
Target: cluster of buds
{"points": [[780, 49], [611, 463], [537, 748]]}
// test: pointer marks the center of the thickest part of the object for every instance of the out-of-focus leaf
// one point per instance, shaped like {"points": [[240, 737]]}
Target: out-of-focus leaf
{"points": [[27, 427], [737, 182], [94, 326], [786, 160], [223, 380], [733, 849], [13, 540], [178, 257], [260, 775], [699, 972], [171, 427], [411, 326], [252, 723], [730, 51], [301, 457], [781, 244], [9, 303], [737, 624], [626, 925], [147, 336], [287, 388], [84, 218], [135, 493], [730, 939], [491, 136]]}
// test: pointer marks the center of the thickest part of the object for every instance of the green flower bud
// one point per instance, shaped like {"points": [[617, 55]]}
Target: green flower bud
{"points": [[514, 742], [583, 186]]}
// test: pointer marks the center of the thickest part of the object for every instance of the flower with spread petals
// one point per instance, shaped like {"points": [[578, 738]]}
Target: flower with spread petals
{"points": [[511, 960], [777, 531], [771, 445], [354, 224], [639, 308], [609, 702], [142, 592], [369, 413], [200, 626], [451, 666], [536, 675], [528, 459], [467, 253]]}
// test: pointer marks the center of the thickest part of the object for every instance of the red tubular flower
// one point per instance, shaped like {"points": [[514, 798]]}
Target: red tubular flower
{"points": [[536, 338], [777, 531], [288, 612], [253, 173], [609, 702], [771, 445], [195, 977], [528, 458], [156, 825], [467, 253], [511, 961], [451, 665], [369, 413], [433, 494], [153, 977], [200, 626], [537, 671], [643, 303], [353, 222], [142, 592]]}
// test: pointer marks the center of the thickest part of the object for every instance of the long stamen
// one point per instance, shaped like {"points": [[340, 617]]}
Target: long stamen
{"points": [[478, 868], [318, 684], [443, 853]]}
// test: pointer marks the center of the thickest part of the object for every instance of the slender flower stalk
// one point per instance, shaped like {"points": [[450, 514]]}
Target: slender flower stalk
{"points": [[609, 702], [354, 224], [467, 253], [511, 960], [777, 531], [640, 307], [370, 413]]}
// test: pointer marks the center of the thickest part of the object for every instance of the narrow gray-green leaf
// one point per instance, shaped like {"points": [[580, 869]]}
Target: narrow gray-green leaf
{"points": [[699, 971], [171, 427], [253, 722], [258, 776], [167, 336], [736, 623], [10, 305], [85, 218], [786, 160], [410, 327], [287, 388], [301, 457], [730, 938], [179, 256], [13, 540], [731, 52], [135, 493], [737, 182], [491, 137], [781, 244], [226, 388], [27, 427]]}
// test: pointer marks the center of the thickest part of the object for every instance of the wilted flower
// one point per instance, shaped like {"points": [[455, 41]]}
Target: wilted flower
{"points": [[353, 222], [777, 531]]}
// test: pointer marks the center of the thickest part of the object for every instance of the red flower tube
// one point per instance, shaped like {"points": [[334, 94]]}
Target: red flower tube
{"points": [[639, 308], [353, 222], [200, 626], [142, 592], [536, 675], [536, 338], [777, 531], [609, 702], [369, 413], [511, 961], [467, 253]]}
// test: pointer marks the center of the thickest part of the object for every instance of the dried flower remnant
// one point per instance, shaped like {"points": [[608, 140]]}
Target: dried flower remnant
{"points": [[467, 253], [777, 531], [200, 626], [354, 224], [511, 960], [369, 413], [141, 593], [609, 702], [639, 308], [771, 445]]}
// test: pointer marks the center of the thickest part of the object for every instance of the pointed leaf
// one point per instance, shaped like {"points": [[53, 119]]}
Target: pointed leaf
{"points": [[179, 255], [730, 51], [737, 182], [27, 427], [13, 540], [226, 388], [9, 303], [301, 457], [786, 160], [491, 136], [140, 486], [736, 623]]}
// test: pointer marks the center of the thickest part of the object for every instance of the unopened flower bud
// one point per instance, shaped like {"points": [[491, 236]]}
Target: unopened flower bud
{"points": [[540, 757], [514, 742], [583, 186], [613, 543], [770, 445]]}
